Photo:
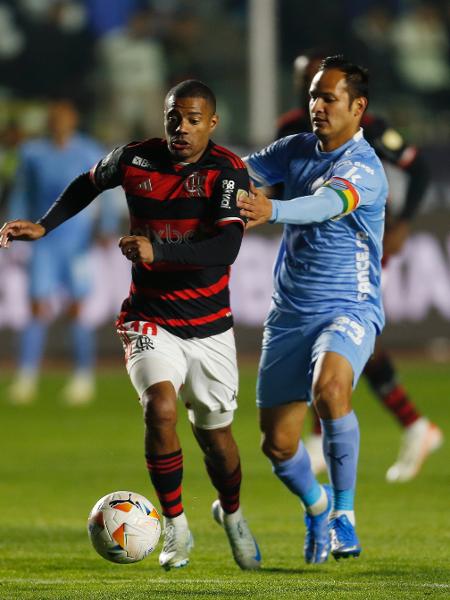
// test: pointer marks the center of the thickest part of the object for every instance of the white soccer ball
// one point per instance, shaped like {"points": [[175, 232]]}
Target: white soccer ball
{"points": [[124, 527]]}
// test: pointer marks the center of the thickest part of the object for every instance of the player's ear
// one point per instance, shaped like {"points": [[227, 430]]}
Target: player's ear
{"points": [[214, 120], [360, 105]]}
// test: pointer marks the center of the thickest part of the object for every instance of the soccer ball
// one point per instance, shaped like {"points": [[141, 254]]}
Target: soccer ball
{"points": [[124, 527]]}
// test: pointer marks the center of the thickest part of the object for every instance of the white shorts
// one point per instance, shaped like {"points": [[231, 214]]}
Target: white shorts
{"points": [[205, 369]]}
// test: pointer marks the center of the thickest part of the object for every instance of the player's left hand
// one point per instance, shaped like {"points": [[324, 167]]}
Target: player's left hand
{"points": [[256, 207], [137, 248]]}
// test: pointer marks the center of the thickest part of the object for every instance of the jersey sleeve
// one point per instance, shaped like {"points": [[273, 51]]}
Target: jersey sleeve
{"points": [[227, 188], [107, 173], [269, 165], [357, 183]]}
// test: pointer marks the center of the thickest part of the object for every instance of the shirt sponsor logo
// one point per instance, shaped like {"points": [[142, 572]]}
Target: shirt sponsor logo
{"points": [[195, 185], [362, 263], [140, 162], [167, 235], [228, 186]]}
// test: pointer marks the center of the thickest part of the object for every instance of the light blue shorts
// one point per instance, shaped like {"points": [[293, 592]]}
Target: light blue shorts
{"points": [[54, 268], [290, 351]]}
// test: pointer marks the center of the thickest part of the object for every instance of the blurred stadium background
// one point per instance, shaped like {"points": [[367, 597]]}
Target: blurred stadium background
{"points": [[116, 59], [117, 65]]}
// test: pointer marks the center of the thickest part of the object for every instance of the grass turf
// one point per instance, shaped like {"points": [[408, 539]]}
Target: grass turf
{"points": [[57, 461]]}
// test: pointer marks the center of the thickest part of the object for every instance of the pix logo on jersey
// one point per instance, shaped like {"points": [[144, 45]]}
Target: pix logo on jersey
{"points": [[228, 186]]}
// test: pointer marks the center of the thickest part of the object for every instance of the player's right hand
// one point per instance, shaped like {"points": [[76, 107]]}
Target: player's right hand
{"points": [[20, 230]]}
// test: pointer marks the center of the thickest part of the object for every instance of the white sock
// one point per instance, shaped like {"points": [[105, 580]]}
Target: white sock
{"points": [[319, 505]]}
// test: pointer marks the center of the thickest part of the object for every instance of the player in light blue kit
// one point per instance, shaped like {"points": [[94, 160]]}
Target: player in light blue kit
{"points": [[58, 261], [326, 306]]}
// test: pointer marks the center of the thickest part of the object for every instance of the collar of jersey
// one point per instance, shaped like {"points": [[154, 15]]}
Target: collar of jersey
{"points": [[355, 139]]}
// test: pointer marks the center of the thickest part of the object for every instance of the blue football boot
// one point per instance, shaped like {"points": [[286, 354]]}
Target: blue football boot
{"points": [[343, 538], [317, 539]]}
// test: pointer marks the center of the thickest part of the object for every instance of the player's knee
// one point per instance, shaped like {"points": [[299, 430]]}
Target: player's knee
{"points": [[278, 447], [217, 444], [159, 411], [331, 395]]}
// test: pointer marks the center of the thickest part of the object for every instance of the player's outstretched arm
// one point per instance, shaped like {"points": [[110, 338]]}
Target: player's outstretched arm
{"points": [[256, 207], [20, 230]]}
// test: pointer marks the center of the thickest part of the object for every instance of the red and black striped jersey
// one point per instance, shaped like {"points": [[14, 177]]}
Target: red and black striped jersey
{"points": [[176, 206]]}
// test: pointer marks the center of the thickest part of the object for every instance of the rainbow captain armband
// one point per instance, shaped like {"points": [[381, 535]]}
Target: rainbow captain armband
{"points": [[347, 193]]}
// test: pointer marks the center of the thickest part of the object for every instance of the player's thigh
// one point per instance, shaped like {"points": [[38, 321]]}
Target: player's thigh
{"points": [[352, 339], [283, 369], [211, 386], [78, 276], [152, 355], [44, 271]]}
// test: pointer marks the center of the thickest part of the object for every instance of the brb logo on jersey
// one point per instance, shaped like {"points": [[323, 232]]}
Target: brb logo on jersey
{"points": [[228, 186], [195, 185]]}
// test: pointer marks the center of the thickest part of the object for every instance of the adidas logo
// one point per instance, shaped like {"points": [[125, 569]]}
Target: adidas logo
{"points": [[145, 185]]}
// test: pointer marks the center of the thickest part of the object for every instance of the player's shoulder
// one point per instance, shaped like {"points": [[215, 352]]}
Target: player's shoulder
{"points": [[84, 143], [362, 150], [297, 146], [225, 158], [361, 156], [140, 153], [35, 146], [152, 147]]}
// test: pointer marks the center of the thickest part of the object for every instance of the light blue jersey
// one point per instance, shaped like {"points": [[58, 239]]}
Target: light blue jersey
{"points": [[44, 171], [329, 262], [59, 259]]}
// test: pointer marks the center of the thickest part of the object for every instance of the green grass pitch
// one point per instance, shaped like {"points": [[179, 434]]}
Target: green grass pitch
{"points": [[57, 461]]}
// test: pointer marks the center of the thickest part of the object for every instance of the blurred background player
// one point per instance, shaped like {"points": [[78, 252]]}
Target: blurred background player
{"points": [[420, 436], [58, 261]]}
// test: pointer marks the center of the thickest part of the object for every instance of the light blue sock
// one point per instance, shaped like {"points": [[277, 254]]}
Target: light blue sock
{"points": [[341, 449], [297, 476], [83, 347], [32, 345]]}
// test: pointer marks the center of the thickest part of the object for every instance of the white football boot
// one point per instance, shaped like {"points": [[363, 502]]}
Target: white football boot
{"points": [[79, 390], [178, 542], [315, 450], [419, 440], [243, 545], [23, 389]]}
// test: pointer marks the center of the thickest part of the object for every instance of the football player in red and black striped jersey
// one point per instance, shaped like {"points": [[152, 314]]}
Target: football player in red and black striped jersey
{"points": [[176, 324]]}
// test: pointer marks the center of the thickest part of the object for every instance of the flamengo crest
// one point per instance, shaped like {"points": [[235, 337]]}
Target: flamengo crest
{"points": [[195, 185]]}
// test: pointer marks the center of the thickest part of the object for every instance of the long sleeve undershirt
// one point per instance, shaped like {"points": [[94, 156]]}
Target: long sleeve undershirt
{"points": [[222, 249], [303, 210]]}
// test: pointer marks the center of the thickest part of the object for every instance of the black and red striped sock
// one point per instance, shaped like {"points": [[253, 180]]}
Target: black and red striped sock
{"points": [[382, 379], [166, 473], [227, 486]]}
